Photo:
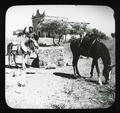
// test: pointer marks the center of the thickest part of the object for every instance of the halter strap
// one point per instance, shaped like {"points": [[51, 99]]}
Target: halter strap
{"points": [[93, 41]]}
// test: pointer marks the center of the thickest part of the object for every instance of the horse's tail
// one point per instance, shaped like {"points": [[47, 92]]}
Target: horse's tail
{"points": [[9, 48]]}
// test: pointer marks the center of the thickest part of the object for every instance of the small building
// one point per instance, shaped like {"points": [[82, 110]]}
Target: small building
{"points": [[40, 18]]}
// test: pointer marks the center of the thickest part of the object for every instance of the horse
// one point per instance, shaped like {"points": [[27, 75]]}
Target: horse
{"points": [[26, 47], [90, 46], [12, 50]]}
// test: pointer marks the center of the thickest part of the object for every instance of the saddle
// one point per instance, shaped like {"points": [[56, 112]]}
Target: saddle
{"points": [[25, 49], [15, 46], [85, 47]]}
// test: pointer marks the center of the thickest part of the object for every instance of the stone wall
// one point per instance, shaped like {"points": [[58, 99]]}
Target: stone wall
{"points": [[51, 56]]}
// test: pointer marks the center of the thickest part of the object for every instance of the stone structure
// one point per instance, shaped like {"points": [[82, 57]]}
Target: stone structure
{"points": [[39, 18], [48, 57], [51, 56]]}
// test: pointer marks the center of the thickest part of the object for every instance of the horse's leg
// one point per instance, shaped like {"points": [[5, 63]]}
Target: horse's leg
{"points": [[14, 58], [77, 67], [98, 71], [26, 58], [9, 59], [75, 60], [23, 62], [92, 67]]}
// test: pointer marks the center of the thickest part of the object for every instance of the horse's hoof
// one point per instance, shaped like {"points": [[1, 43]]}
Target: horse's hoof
{"points": [[75, 76], [23, 68], [8, 66], [100, 84], [79, 76], [106, 82], [99, 81], [91, 75]]}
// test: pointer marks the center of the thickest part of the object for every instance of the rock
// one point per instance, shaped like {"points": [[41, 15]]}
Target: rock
{"points": [[17, 73], [50, 66], [21, 81], [69, 64], [60, 63], [51, 56]]}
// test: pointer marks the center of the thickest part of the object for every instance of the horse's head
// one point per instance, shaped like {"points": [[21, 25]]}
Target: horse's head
{"points": [[107, 72]]}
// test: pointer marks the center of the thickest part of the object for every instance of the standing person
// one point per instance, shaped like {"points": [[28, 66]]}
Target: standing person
{"points": [[32, 34], [30, 29]]}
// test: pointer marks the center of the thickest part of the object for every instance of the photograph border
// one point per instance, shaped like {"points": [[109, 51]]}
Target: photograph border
{"points": [[3, 8]]}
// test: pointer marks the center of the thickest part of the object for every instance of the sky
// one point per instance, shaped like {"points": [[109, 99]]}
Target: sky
{"points": [[100, 17]]}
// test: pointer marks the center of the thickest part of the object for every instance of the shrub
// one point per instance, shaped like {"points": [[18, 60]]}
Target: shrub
{"points": [[113, 35]]}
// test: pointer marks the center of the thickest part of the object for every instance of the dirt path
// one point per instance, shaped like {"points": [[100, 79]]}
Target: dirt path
{"points": [[57, 88]]}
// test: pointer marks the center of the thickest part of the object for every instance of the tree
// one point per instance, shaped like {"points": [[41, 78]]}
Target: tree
{"points": [[98, 34], [113, 35], [63, 29], [78, 28], [44, 27], [56, 28]]}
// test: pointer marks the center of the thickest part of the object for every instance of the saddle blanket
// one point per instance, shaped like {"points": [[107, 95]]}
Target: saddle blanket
{"points": [[15, 47]]}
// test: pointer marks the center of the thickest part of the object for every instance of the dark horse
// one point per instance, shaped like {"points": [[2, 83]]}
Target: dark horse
{"points": [[90, 46]]}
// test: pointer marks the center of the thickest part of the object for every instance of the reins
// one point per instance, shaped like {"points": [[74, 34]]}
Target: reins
{"points": [[93, 42]]}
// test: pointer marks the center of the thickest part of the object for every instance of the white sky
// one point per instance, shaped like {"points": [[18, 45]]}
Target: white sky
{"points": [[100, 17]]}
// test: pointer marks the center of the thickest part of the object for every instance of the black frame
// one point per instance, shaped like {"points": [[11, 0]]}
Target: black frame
{"points": [[8, 3]]}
